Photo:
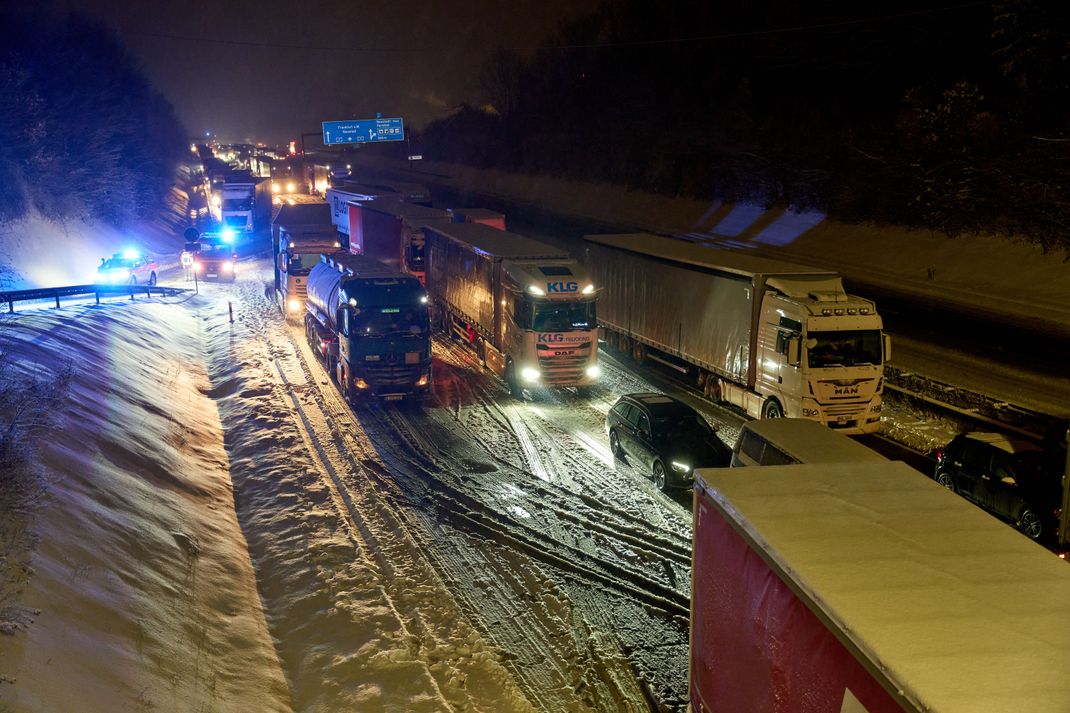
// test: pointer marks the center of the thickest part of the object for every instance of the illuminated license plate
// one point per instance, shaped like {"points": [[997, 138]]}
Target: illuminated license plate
{"points": [[393, 397], [843, 419]]}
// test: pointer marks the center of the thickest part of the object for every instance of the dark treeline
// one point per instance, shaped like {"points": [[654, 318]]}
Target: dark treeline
{"points": [[82, 132], [948, 117]]}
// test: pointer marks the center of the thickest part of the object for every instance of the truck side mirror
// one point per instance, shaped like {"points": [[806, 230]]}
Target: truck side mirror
{"points": [[794, 351], [886, 341]]}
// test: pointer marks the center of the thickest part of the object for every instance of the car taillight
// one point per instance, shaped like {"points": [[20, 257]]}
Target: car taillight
{"points": [[939, 455]]}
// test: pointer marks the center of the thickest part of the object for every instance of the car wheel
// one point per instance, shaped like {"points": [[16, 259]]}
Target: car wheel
{"points": [[660, 481], [614, 444], [772, 409], [1030, 525], [152, 280], [946, 480]]}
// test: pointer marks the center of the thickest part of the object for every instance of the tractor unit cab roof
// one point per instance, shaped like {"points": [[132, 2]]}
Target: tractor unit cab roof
{"points": [[499, 244]]}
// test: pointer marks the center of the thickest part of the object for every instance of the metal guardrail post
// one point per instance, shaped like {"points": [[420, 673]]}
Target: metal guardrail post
{"points": [[57, 300], [1064, 514]]}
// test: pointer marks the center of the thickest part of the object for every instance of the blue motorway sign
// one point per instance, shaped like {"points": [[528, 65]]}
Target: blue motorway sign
{"points": [[359, 131]]}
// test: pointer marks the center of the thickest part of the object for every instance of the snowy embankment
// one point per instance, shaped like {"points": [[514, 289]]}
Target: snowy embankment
{"points": [[35, 252], [141, 594]]}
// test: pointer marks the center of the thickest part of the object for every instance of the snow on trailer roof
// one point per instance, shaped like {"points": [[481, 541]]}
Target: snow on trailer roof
{"points": [[499, 244], [959, 611], [713, 258], [401, 209], [362, 266], [303, 214]]}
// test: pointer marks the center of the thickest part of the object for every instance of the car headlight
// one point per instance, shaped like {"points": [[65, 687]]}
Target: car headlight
{"points": [[529, 374], [593, 371], [681, 467], [293, 305]]}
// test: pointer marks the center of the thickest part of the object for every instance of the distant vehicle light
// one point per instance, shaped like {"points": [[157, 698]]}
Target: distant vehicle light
{"points": [[593, 371], [423, 299], [337, 244], [216, 201], [293, 305], [529, 374], [588, 289], [290, 187], [537, 291], [198, 266], [276, 188]]}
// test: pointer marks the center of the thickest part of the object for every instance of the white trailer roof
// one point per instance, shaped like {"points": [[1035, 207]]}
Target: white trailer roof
{"points": [[400, 209], [704, 256], [501, 244], [959, 611]]}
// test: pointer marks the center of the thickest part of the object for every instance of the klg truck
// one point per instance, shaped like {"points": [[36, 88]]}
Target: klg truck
{"points": [[246, 204], [868, 588], [369, 323], [527, 308], [299, 234], [392, 232], [773, 338]]}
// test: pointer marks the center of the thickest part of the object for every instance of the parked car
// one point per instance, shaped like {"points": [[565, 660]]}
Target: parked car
{"points": [[664, 437], [1013, 479], [127, 268]]}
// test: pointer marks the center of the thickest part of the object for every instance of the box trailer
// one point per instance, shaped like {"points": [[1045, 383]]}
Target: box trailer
{"points": [[774, 338], [527, 307], [868, 588], [392, 232]]}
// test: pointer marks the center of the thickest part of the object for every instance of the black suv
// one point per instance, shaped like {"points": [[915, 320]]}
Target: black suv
{"points": [[1012, 479], [665, 437]]}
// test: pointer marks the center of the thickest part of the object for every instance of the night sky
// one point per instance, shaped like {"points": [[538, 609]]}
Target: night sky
{"points": [[267, 70]]}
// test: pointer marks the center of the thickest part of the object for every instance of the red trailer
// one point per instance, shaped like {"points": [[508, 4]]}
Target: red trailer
{"points": [[868, 588]]}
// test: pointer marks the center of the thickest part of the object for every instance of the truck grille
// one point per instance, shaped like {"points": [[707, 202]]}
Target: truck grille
{"points": [[562, 368]]}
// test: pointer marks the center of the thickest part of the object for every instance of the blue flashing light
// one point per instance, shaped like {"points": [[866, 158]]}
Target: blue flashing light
{"points": [[228, 235], [131, 254]]}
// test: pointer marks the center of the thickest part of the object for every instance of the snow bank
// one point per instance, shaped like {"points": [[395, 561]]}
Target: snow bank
{"points": [[142, 594], [35, 252]]}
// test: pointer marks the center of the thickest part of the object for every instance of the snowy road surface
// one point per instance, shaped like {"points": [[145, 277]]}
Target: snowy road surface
{"points": [[480, 553]]}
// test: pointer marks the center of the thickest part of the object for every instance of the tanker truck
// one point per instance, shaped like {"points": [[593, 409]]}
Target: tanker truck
{"points": [[773, 338], [526, 307], [369, 324]]}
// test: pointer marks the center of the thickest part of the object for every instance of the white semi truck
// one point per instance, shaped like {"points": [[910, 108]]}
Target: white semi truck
{"points": [[774, 338], [527, 307], [246, 205]]}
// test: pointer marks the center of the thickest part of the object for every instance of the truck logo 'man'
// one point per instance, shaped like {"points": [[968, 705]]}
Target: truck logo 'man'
{"points": [[845, 390], [562, 286]]}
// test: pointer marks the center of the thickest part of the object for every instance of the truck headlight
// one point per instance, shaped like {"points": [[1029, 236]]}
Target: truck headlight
{"points": [[293, 305], [360, 383], [681, 467], [529, 374], [424, 380], [593, 371], [228, 266]]}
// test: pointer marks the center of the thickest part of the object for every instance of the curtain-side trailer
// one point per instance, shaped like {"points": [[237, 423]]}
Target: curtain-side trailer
{"points": [[868, 588], [526, 306], [774, 338]]}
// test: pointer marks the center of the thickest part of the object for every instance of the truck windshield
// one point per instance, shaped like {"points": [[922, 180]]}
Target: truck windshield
{"points": [[237, 204], [392, 321], [563, 316], [302, 263], [847, 348]]}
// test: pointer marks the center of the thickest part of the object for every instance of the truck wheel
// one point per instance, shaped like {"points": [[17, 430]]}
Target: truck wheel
{"points": [[510, 381], [152, 280], [639, 352], [772, 409], [660, 481], [712, 388]]}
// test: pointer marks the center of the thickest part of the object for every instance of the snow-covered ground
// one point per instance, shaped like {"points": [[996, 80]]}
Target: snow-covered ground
{"points": [[222, 532]]}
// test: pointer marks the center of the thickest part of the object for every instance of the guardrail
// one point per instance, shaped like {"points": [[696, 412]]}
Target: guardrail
{"points": [[45, 293]]}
